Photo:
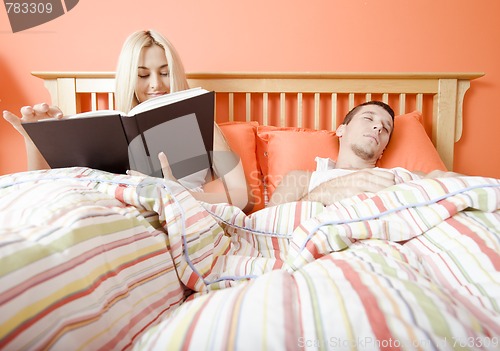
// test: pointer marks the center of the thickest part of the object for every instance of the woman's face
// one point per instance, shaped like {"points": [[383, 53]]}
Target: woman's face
{"points": [[153, 73]]}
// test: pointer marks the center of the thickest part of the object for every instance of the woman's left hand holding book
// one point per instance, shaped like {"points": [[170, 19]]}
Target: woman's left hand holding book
{"points": [[165, 167]]}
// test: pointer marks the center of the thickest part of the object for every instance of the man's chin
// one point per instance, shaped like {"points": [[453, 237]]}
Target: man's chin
{"points": [[363, 153]]}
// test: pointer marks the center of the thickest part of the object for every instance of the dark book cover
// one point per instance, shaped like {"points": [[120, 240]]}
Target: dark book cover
{"points": [[183, 130]]}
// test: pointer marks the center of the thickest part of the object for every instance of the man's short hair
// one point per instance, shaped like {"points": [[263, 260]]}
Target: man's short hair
{"points": [[351, 113]]}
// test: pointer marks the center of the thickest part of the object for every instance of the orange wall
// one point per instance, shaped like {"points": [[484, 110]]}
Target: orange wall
{"points": [[276, 35]]}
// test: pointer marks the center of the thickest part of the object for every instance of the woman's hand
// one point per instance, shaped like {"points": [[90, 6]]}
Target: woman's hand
{"points": [[32, 114], [165, 167]]}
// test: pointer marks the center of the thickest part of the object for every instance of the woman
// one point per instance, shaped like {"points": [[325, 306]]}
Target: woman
{"points": [[149, 66]]}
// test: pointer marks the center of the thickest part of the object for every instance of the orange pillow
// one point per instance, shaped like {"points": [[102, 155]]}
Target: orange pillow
{"points": [[283, 149], [410, 146], [241, 139]]}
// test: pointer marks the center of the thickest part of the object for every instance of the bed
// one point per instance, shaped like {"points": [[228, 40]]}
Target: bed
{"points": [[98, 261]]}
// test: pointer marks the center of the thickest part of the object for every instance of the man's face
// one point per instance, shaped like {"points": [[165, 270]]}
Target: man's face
{"points": [[368, 133]]}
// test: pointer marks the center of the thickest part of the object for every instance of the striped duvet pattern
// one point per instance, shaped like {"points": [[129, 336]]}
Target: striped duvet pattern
{"points": [[95, 261], [86, 261], [79, 269], [419, 271]]}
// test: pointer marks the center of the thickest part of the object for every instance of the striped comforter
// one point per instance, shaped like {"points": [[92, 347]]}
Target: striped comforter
{"points": [[95, 261]]}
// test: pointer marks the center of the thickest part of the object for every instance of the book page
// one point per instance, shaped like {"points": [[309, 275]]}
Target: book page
{"points": [[97, 113], [146, 105], [166, 100]]}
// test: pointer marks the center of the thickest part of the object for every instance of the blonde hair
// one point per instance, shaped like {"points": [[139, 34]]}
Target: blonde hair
{"points": [[128, 62]]}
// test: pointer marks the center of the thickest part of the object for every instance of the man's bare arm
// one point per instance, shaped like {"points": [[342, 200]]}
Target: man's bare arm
{"points": [[293, 187], [367, 180]]}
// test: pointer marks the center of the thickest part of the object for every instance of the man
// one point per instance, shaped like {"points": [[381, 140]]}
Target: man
{"points": [[363, 136]]}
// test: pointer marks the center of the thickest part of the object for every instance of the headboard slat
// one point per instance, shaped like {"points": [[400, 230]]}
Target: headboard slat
{"points": [[111, 101], [93, 101], [351, 101], [248, 107], [282, 121], [402, 104], [265, 109], [419, 102], [385, 98], [300, 111], [231, 106], [333, 120], [316, 111]]}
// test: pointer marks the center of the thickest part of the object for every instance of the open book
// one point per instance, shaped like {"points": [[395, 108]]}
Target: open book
{"points": [[180, 124]]}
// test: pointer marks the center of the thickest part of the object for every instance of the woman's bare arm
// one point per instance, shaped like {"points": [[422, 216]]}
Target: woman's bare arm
{"points": [[32, 114]]}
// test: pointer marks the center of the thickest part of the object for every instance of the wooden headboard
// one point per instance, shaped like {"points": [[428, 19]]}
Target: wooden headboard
{"points": [[313, 100]]}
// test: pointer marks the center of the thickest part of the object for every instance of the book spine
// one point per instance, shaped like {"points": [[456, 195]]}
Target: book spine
{"points": [[139, 155]]}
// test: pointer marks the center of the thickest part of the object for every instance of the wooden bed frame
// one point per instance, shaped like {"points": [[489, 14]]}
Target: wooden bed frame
{"points": [[313, 100]]}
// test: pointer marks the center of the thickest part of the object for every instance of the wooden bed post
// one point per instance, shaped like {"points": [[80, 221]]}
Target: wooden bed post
{"points": [[447, 120], [443, 123]]}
